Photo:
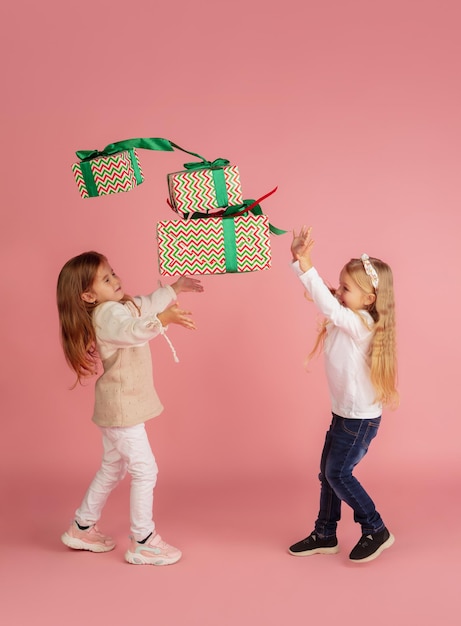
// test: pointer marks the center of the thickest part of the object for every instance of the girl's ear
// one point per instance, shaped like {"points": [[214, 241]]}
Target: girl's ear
{"points": [[370, 298], [88, 297]]}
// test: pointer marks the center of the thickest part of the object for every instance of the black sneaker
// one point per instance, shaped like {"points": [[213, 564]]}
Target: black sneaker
{"points": [[370, 546], [314, 545]]}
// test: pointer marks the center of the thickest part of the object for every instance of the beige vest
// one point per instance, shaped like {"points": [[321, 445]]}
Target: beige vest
{"points": [[125, 393]]}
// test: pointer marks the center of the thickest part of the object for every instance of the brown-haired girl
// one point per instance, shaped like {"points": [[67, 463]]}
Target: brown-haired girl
{"points": [[358, 339], [99, 321]]}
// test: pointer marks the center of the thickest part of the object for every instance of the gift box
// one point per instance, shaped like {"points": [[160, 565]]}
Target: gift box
{"points": [[204, 189], [214, 245], [103, 175]]}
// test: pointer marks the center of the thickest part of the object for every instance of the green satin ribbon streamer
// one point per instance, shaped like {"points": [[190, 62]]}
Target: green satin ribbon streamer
{"points": [[146, 143], [230, 246], [153, 143]]}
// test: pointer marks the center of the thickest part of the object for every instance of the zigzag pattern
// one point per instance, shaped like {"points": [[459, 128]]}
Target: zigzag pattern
{"points": [[197, 246], [194, 190], [79, 180], [192, 247], [253, 243], [112, 174]]}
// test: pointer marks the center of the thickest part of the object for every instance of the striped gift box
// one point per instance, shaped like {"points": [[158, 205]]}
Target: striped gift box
{"points": [[205, 190], [104, 175], [214, 245]]}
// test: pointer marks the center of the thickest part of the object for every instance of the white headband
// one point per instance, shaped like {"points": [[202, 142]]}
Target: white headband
{"points": [[370, 270]]}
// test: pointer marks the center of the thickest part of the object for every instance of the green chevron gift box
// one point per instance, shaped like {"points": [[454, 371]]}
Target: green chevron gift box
{"points": [[214, 245], [203, 188], [111, 173]]}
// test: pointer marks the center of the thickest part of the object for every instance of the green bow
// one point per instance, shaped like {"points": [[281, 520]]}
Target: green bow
{"points": [[248, 206], [200, 165]]}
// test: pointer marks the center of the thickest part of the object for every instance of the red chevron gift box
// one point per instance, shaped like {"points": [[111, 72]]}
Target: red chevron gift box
{"points": [[205, 189], [214, 245], [103, 175]]}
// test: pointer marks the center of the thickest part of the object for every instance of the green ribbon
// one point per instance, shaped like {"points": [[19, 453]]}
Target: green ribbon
{"points": [[228, 224], [230, 246], [87, 173], [88, 177], [219, 180], [200, 165], [248, 206], [146, 143], [153, 143]]}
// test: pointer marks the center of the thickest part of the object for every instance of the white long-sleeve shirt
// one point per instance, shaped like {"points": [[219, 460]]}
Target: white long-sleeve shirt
{"points": [[125, 394], [346, 347], [118, 325]]}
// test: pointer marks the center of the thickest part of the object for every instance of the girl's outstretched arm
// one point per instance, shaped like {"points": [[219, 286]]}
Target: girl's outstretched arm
{"points": [[185, 283], [301, 247], [174, 315]]}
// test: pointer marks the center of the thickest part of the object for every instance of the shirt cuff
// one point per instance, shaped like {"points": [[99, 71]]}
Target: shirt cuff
{"points": [[298, 271], [153, 322]]}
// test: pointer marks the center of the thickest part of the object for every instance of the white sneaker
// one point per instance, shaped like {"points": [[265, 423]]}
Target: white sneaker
{"points": [[154, 552]]}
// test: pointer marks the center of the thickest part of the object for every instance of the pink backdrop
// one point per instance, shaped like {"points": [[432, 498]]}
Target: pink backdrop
{"points": [[353, 109]]}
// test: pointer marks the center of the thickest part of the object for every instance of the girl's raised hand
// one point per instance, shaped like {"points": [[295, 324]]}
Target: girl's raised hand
{"points": [[301, 247], [174, 315], [187, 284]]}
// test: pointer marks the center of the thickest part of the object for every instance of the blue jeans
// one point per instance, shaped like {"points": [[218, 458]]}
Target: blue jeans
{"points": [[346, 444]]}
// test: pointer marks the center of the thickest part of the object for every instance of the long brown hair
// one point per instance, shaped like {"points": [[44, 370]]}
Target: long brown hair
{"points": [[75, 315], [383, 351]]}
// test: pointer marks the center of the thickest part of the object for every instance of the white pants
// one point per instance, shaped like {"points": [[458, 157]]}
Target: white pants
{"points": [[125, 449]]}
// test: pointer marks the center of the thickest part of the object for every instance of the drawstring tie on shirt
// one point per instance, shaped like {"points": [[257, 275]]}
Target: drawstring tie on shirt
{"points": [[168, 340], [153, 321]]}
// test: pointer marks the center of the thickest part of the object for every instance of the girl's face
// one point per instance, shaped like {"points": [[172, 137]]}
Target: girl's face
{"points": [[350, 295], [106, 286]]}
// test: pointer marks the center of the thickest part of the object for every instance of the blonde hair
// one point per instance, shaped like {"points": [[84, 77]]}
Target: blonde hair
{"points": [[383, 351], [78, 337]]}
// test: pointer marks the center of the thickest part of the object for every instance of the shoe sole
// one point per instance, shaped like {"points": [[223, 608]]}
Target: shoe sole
{"points": [[78, 544], [333, 550], [387, 544], [136, 559]]}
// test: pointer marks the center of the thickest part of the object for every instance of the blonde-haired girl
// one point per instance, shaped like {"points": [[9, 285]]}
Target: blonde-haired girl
{"points": [[99, 321], [358, 339]]}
